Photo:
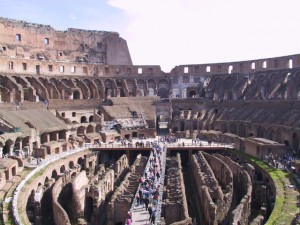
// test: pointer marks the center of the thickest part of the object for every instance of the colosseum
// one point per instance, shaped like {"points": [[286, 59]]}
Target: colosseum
{"points": [[86, 137]]}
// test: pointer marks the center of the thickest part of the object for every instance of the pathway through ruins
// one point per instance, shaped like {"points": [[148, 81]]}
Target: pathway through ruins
{"points": [[139, 213]]}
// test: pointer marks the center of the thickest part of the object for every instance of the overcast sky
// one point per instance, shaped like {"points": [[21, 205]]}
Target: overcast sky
{"points": [[176, 32]]}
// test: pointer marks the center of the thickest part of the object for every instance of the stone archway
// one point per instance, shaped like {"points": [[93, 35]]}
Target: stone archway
{"points": [[76, 94], [192, 94]]}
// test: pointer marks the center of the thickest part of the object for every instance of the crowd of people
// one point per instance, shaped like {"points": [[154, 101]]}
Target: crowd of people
{"points": [[147, 196], [280, 162]]}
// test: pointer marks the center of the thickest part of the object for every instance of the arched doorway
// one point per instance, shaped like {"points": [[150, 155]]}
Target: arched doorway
{"points": [[83, 119], [76, 95], [192, 94]]}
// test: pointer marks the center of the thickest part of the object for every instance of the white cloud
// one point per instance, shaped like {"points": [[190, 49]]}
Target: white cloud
{"points": [[173, 32], [72, 16]]}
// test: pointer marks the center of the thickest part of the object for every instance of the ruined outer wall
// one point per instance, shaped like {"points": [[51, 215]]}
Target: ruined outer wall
{"points": [[95, 46], [225, 180], [60, 215], [243, 67]]}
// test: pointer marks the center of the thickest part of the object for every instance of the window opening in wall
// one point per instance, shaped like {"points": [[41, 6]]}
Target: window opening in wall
{"points": [[106, 70], [253, 66], [196, 69], [84, 69], [18, 37], [117, 70], [50, 68], [99, 45], [37, 69], [61, 69], [140, 70], [150, 70], [230, 69], [275, 63], [241, 67], [290, 63], [73, 114], [63, 114], [264, 65], [73, 69], [208, 69], [11, 65], [95, 71], [46, 41], [219, 68], [129, 70], [185, 69], [24, 66], [60, 54]]}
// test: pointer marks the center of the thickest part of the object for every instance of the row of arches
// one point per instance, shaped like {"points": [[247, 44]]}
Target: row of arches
{"points": [[26, 88]]}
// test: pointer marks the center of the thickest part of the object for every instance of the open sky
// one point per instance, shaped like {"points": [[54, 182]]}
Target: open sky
{"points": [[176, 32]]}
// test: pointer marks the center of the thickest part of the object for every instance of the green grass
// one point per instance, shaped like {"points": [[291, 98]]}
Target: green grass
{"points": [[285, 207]]}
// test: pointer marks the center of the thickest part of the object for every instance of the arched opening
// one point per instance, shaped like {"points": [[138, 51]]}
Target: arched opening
{"points": [[80, 131], [90, 129], [76, 95], [62, 169], [232, 129], [163, 93], [88, 209], [71, 164], [80, 162], [260, 132], [181, 125], [91, 119], [7, 147], [242, 130], [54, 175], [30, 207], [295, 140], [192, 94], [83, 119]]}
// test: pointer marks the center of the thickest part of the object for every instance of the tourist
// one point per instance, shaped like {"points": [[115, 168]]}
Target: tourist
{"points": [[150, 212], [153, 217]]}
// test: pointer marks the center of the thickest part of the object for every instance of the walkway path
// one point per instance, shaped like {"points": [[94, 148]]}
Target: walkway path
{"points": [[139, 213]]}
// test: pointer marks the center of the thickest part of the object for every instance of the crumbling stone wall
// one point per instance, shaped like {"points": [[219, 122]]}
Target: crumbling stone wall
{"points": [[175, 210], [60, 215], [73, 44], [79, 185], [242, 184], [224, 177], [207, 190], [122, 198]]}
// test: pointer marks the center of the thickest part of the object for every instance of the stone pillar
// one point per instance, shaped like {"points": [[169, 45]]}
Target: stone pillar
{"points": [[56, 136]]}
